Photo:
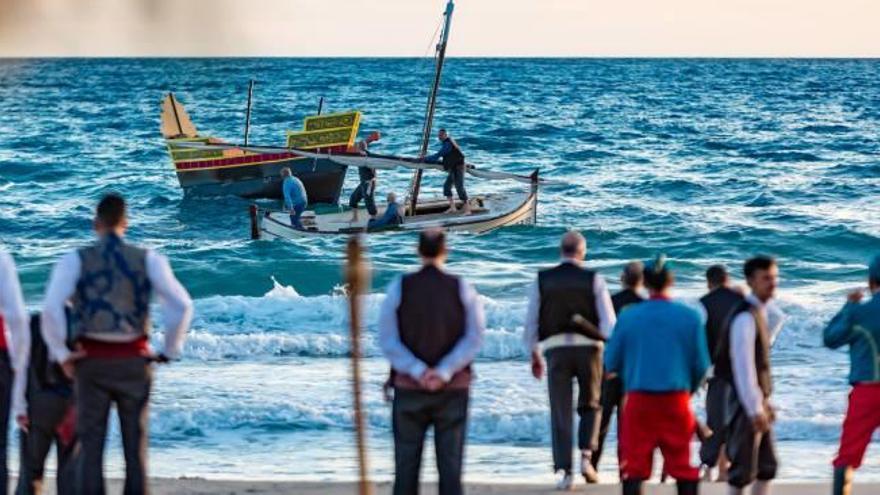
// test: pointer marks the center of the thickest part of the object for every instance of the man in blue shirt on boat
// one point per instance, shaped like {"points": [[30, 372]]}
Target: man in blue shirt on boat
{"points": [[295, 197], [452, 158], [858, 325], [390, 218], [658, 348]]}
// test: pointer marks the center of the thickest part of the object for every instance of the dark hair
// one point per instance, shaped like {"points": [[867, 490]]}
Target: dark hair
{"points": [[657, 279], [760, 262], [442, 129], [111, 210], [632, 274], [716, 275], [432, 243]]}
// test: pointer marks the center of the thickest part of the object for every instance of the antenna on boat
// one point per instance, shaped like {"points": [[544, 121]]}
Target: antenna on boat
{"points": [[247, 119], [320, 105], [432, 104]]}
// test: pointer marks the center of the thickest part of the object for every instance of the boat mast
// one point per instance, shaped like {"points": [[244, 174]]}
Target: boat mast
{"points": [[432, 103], [247, 119]]}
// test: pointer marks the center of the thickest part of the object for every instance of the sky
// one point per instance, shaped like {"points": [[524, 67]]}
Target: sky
{"points": [[314, 28]]}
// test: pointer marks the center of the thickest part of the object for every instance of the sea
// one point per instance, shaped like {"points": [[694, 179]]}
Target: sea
{"points": [[708, 161]]}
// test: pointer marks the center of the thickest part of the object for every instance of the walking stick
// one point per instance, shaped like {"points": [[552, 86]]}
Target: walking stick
{"points": [[357, 276]]}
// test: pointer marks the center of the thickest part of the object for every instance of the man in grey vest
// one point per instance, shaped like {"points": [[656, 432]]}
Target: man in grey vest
{"points": [[569, 315], [430, 328], [109, 286], [742, 359], [719, 303]]}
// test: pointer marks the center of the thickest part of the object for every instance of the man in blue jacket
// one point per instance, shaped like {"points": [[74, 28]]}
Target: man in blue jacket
{"points": [[452, 158], [659, 350], [858, 325]]}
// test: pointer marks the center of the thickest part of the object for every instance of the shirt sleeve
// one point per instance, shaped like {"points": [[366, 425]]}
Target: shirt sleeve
{"points": [[444, 150], [176, 304], [742, 355], [530, 330], [468, 346], [62, 285], [839, 331], [401, 358], [285, 189], [604, 306], [17, 331]]}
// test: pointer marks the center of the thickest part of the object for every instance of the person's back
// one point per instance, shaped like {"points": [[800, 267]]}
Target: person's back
{"points": [[659, 339], [294, 192], [859, 327], [719, 303], [624, 298]]}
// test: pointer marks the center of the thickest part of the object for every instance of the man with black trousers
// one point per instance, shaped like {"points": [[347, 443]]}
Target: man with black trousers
{"points": [[430, 328], [109, 286], [612, 388], [569, 316], [719, 303]]}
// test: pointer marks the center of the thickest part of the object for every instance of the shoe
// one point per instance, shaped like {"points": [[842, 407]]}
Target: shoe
{"points": [[565, 483], [587, 470]]}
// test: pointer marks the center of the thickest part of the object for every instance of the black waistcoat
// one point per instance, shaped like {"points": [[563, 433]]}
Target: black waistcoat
{"points": [[566, 290]]}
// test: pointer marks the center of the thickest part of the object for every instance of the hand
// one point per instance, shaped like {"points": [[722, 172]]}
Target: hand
{"points": [[537, 365], [431, 381], [761, 423], [610, 375], [855, 296], [69, 365], [23, 422]]}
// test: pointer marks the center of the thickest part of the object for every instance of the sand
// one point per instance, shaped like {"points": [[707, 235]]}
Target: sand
{"points": [[198, 486]]}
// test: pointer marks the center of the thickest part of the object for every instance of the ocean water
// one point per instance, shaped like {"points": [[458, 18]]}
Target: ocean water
{"points": [[706, 160]]}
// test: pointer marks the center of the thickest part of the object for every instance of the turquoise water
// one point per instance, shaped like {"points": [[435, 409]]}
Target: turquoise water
{"points": [[707, 160]]}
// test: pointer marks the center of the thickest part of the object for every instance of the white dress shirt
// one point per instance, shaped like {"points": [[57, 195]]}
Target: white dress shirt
{"points": [[16, 328], [604, 308], [464, 352], [742, 354], [177, 307]]}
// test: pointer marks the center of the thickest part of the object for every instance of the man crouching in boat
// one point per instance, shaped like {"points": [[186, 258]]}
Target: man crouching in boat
{"points": [[452, 158], [295, 197], [366, 188], [392, 216]]}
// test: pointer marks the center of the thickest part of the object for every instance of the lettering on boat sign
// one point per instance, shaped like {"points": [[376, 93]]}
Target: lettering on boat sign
{"points": [[324, 131], [179, 154]]}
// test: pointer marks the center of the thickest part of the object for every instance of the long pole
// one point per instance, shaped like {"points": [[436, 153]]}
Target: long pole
{"points": [[320, 105], [357, 276], [432, 104], [247, 119]]}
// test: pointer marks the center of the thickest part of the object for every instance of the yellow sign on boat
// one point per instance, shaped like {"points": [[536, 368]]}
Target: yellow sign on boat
{"points": [[323, 131]]}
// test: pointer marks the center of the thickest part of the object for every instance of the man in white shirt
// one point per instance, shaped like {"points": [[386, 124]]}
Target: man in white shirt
{"points": [[109, 286], [14, 343], [743, 360], [431, 327], [569, 315]]}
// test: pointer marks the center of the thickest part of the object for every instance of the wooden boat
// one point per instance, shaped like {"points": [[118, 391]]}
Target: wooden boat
{"points": [[212, 171]]}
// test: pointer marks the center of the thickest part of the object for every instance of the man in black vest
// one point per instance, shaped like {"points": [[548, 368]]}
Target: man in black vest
{"points": [[612, 388], [569, 315], [109, 285], [430, 329], [743, 360], [719, 302], [452, 158]]}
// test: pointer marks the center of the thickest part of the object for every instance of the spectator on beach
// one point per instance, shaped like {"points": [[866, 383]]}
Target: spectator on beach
{"points": [[109, 285], [742, 359], [391, 217], [659, 350], [430, 328], [295, 197], [612, 387], [719, 303], [858, 326], [14, 342], [452, 158], [569, 315], [45, 415], [366, 188]]}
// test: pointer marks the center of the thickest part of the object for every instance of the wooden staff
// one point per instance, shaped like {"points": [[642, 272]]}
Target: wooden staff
{"points": [[357, 276]]}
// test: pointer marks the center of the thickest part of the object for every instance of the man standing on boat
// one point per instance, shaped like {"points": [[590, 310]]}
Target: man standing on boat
{"points": [[452, 158], [14, 342], [295, 197], [568, 317], [109, 285], [742, 359], [612, 387], [659, 350], [366, 189], [430, 329], [719, 303], [858, 325]]}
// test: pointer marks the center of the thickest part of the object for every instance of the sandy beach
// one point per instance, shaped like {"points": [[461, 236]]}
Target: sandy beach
{"points": [[199, 486]]}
